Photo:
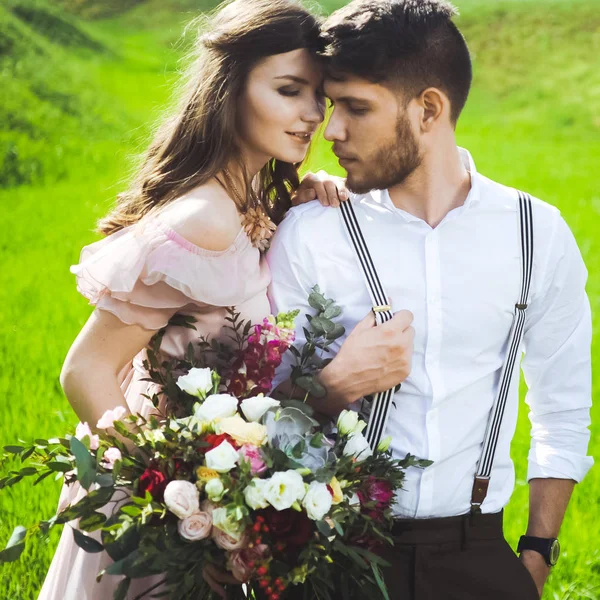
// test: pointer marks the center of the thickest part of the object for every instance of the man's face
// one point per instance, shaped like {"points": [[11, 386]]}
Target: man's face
{"points": [[371, 133]]}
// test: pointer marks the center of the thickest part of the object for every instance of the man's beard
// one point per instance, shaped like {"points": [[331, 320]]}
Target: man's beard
{"points": [[391, 165]]}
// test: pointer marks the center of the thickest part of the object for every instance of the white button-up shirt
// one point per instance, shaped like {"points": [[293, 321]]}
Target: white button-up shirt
{"points": [[461, 281]]}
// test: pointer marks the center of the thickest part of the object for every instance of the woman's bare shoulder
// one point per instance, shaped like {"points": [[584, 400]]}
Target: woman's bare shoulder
{"points": [[205, 216]]}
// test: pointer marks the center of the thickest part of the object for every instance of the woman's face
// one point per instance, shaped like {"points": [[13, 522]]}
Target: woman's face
{"points": [[280, 108]]}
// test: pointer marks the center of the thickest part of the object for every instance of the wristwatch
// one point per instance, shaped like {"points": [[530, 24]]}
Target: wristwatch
{"points": [[549, 548]]}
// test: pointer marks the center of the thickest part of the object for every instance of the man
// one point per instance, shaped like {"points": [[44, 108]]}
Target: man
{"points": [[446, 244]]}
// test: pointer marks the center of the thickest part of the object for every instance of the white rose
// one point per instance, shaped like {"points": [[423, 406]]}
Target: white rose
{"points": [[349, 424], [214, 489], [195, 527], [222, 458], [284, 488], [358, 446], [182, 498], [254, 408], [217, 406], [254, 494], [226, 523], [198, 382], [318, 501]]}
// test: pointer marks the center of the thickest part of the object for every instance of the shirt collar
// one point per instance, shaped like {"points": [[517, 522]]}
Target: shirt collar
{"points": [[382, 197]]}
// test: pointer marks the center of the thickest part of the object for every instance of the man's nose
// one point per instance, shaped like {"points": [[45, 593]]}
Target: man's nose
{"points": [[335, 130]]}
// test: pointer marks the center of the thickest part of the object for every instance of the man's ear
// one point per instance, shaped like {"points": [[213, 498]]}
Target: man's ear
{"points": [[434, 105]]}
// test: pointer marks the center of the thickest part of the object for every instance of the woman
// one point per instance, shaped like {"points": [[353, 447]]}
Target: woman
{"points": [[186, 237]]}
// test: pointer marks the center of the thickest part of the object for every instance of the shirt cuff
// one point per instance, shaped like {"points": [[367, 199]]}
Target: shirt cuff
{"points": [[546, 462]]}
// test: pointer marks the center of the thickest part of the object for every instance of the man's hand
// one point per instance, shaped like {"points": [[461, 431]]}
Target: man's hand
{"points": [[214, 577], [325, 188], [537, 566], [372, 359]]}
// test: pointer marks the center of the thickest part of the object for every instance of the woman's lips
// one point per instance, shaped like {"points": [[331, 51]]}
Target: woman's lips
{"points": [[304, 138]]}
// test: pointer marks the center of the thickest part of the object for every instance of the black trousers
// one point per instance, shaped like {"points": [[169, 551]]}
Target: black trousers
{"points": [[454, 558]]}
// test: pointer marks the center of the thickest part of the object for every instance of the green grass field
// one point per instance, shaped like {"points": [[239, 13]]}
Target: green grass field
{"points": [[77, 101]]}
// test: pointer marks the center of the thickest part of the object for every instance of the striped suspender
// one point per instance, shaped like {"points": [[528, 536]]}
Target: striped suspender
{"points": [[484, 468], [383, 312]]}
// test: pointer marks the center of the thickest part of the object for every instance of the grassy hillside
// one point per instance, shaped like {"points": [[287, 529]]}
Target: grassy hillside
{"points": [[82, 82]]}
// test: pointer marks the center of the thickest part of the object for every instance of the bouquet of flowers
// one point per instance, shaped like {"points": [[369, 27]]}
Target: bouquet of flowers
{"points": [[227, 475]]}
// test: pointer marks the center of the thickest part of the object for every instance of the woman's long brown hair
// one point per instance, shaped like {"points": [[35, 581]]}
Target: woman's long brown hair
{"points": [[198, 140]]}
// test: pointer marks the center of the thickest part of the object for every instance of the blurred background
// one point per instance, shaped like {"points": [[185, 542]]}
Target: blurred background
{"points": [[82, 83]]}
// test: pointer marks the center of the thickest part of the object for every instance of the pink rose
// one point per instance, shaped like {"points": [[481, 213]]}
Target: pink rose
{"points": [[82, 430], [195, 527], [228, 542], [242, 563], [252, 455], [110, 416], [110, 457]]}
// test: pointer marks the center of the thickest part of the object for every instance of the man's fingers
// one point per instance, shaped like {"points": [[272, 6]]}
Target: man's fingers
{"points": [[402, 319], [368, 322]]}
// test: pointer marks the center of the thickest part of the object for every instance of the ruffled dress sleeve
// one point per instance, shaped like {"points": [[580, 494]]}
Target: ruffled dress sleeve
{"points": [[147, 272]]}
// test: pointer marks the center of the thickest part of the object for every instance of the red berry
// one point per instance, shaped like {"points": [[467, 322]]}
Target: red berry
{"points": [[269, 590], [265, 528], [263, 583], [274, 596], [258, 540], [260, 519], [262, 570], [251, 564], [256, 527]]}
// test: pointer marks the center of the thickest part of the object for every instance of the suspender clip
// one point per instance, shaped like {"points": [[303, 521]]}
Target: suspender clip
{"points": [[381, 308], [521, 306]]}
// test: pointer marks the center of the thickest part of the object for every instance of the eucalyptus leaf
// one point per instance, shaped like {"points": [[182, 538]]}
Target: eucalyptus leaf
{"points": [[86, 542], [122, 589], [86, 465], [42, 477], [311, 385], [59, 467], [92, 522], [105, 480], [336, 332], [332, 311], [14, 449], [15, 546]]}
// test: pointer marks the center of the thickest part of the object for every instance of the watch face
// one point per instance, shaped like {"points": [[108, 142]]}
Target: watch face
{"points": [[554, 552]]}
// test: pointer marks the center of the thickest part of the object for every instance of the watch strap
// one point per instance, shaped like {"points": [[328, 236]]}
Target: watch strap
{"points": [[537, 544]]}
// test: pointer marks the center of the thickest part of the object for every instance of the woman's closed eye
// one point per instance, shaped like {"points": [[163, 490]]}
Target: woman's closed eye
{"points": [[288, 92]]}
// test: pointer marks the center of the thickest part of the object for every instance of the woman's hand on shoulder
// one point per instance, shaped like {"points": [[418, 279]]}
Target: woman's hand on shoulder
{"points": [[206, 217], [327, 189]]}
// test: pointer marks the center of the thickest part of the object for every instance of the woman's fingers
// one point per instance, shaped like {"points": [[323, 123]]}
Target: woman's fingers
{"points": [[212, 584], [325, 188]]}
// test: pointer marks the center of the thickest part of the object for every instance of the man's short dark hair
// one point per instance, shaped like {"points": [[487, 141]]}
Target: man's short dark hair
{"points": [[410, 42]]}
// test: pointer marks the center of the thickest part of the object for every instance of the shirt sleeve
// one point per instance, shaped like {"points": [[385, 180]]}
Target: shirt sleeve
{"points": [[290, 285], [557, 364]]}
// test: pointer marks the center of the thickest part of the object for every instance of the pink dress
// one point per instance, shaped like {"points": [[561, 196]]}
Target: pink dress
{"points": [[145, 274]]}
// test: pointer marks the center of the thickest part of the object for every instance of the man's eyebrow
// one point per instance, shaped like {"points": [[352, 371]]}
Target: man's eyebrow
{"points": [[348, 99], [293, 78]]}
